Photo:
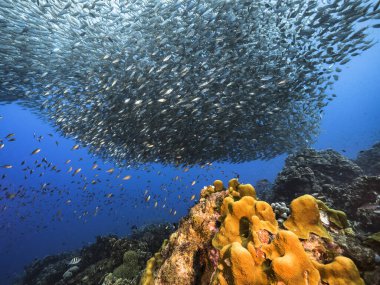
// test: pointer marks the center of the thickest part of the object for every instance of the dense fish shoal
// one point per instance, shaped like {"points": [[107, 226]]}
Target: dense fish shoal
{"points": [[181, 82]]}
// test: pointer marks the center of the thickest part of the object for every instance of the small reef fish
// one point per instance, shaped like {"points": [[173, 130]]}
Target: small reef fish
{"points": [[75, 261]]}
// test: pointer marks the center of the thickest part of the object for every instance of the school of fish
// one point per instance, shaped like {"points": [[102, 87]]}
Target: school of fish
{"points": [[181, 82]]}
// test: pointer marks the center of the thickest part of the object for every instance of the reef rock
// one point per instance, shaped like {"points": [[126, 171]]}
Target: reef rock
{"points": [[125, 257], [188, 257], [338, 181], [359, 200], [369, 160], [308, 171]]}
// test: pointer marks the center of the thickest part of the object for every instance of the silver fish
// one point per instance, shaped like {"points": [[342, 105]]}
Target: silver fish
{"points": [[181, 82]]}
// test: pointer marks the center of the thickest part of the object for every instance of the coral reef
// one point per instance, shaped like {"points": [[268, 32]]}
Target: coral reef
{"points": [[110, 260], [336, 180], [249, 246], [130, 266], [369, 160], [232, 237], [307, 171], [184, 258], [281, 210]]}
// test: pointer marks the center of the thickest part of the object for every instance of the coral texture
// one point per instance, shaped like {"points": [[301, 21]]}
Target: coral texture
{"points": [[250, 246], [189, 251]]}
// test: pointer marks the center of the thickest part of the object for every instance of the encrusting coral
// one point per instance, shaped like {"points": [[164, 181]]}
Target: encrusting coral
{"points": [[250, 247], [305, 218]]}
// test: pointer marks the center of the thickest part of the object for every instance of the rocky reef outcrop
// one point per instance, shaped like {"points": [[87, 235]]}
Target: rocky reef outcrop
{"points": [[338, 181], [309, 171], [369, 160]]}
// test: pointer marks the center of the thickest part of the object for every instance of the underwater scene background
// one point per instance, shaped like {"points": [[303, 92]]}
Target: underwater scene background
{"points": [[57, 194]]}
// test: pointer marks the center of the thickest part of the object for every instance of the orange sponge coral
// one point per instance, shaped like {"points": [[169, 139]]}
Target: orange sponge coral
{"points": [[250, 254], [305, 218], [342, 271], [218, 184], [290, 263], [236, 222], [338, 218], [250, 247], [246, 190], [242, 219], [238, 267]]}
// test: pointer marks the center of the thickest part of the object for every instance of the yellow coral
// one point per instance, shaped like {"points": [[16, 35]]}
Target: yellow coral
{"points": [[233, 183], [154, 262], [290, 263], [148, 278], [254, 251], [305, 218], [338, 218], [246, 190], [236, 213], [342, 271], [218, 184], [242, 219], [250, 255]]}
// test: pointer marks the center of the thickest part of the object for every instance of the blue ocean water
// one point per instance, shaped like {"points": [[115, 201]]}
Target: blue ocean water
{"points": [[52, 213]]}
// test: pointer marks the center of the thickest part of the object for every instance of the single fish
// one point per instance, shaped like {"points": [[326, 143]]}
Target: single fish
{"points": [[111, 170], [37, 150], [75, 147], [74, 261]]}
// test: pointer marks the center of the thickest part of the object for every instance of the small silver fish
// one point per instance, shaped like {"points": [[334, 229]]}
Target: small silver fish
{"points": [[36, 151]]}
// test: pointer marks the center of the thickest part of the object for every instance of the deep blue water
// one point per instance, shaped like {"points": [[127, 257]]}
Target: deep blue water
{"points": [[47, 219]]}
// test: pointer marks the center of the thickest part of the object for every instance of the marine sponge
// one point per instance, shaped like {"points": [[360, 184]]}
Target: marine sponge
{"points": [[208, 190], [290, 264], [254, 251], [342, 271], [218, 184], [246, 190], [242, 219], [338, 218], [250, 248], [153, 263], [239, 267], [305, 218]]}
